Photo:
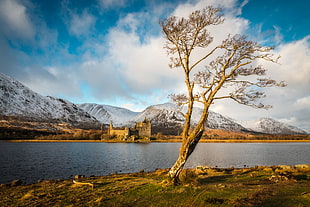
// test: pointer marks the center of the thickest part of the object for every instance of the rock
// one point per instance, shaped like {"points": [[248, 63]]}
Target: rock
{"points": [[79, 176], [16, 183], [302, 166], [278, 178]]}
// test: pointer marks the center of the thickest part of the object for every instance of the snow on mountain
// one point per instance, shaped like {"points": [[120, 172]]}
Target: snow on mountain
{"points": [[105, 113], [171, 113], [271, 126], [20, 101]]}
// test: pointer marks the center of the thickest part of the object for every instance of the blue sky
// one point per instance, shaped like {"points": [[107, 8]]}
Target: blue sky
{"points": [[111, 51]]}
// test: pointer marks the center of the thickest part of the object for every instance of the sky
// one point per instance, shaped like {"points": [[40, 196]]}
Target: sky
{"points": [[111, 51]]}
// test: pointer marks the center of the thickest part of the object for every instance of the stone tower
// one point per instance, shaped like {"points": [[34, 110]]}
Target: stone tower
{"points": [[144, 128]]}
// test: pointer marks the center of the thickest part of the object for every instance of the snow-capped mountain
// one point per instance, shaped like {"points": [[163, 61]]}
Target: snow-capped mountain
{"points": [[271, 126], [171, 113], [106, 114], [19, 101]]}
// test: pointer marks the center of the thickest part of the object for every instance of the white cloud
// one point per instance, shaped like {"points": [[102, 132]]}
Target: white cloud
{"points": [[15, 19], [80, 25], [144, 66], [303, 103], [130, 69], [231, 8], [54, 81]]}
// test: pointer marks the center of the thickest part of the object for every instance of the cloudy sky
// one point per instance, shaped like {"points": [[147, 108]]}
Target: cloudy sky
{"points": [[111, 51]]}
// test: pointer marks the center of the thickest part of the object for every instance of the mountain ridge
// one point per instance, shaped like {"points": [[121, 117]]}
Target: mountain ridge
{"points": [[20, 101], [169, 115]]}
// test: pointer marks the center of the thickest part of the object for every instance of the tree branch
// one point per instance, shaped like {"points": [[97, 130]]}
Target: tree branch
{"points": [[203, 58]]}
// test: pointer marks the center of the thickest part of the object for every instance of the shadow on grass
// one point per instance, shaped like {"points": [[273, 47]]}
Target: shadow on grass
{"points": [[214, 179], [301, 177]]}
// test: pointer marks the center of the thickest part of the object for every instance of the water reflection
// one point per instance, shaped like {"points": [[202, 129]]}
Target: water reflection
{"points": [[33, 161]]}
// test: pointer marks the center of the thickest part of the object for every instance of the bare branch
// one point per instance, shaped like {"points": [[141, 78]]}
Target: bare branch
{"points": [[203, 58], [179, 99], [222, 97], [258, 106]]}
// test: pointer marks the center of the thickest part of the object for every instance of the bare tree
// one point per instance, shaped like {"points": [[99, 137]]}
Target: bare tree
{"points": [[228, 65]]}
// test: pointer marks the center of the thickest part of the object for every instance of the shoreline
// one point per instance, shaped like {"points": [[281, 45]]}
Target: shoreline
{"points": [[160, 141], [270, 168]]}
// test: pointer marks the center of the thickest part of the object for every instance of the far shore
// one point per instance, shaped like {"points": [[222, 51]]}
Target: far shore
{"points": [[161, 141]]}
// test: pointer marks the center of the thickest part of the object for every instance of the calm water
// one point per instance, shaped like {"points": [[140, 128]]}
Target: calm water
{"points": [[33, 161]]}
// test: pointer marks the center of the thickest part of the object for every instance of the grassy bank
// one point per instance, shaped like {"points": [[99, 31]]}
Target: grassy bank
{"points": [[203, 186]]}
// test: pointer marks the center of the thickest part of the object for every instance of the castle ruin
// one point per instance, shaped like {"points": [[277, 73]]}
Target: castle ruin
{"points": [[141, 130]]}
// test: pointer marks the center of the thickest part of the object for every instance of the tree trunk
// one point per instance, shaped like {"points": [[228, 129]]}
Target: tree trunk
{"points": [[185, 151]]}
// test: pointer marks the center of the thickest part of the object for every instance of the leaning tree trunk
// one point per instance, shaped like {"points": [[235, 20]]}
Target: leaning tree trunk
{"points": [[185, 151]]}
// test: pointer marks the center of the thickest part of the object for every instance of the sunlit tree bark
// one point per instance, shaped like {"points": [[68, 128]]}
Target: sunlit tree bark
{"points": [[231, 69]]}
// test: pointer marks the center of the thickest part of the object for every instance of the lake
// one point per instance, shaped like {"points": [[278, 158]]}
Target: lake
{"points": [[32, 161]]}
